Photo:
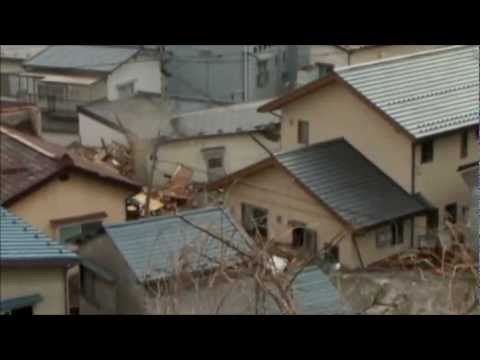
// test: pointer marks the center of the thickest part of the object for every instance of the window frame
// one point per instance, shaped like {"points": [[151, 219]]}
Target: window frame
{"points": [[263, 74], [305, 126], [431, 158], [82, 238], [262, 228]]}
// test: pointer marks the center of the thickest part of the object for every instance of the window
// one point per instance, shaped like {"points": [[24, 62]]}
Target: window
{"points": [[464, 145], [77, 233], [214, 158], [432, 220], [398, 233], [303, 238], [284, 57], [215, 163], [303, 132], [255, 219], [126, 90], [263, 75], [451, 213], [384, 238], [427, 152]]}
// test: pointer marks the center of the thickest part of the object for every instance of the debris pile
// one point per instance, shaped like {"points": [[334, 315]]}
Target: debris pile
{"points": [[178, 194], [115, 155]]}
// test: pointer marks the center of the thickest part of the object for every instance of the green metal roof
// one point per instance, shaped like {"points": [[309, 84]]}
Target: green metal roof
{"points": [[19, 302], [151, 246], [427, 93], [22, 243]]}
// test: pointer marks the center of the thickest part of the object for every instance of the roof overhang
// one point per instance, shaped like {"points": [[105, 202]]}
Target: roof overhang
{"points": [[19, 302]]}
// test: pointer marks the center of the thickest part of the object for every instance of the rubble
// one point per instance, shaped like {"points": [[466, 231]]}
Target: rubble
{"points": [[115, 155]]}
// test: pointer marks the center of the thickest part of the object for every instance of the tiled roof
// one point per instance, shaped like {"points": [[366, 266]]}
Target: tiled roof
{"points": [[82, 57], [22, 168], [22, 243], [349, 184], [427, 93], [27, 161], [150, 246]]}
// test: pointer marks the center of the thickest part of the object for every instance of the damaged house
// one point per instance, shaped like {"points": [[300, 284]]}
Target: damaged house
{"points": [[62, 195], [327, 195], [212, 143]]}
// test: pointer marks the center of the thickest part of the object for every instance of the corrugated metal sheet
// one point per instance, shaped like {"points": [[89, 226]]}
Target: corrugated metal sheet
{"points": [[316, 295], [19, 302], [20, 242], [82, 57], [353, 187], [151, 246], [427, 93], [148, 115]]}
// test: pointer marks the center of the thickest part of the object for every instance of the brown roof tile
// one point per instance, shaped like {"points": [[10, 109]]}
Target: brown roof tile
{"points": [[28, 161]]}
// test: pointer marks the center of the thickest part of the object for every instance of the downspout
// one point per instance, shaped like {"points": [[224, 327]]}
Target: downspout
{"points": [[245, 73], [414, 159]]}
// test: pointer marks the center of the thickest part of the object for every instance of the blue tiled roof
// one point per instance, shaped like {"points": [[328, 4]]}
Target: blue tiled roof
{"points": [[21, 242], [82, 57], [20, 302], [150, 246]]}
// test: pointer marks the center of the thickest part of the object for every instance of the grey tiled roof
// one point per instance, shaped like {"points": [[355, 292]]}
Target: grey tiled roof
{"points": [[150, 246], [426, 93], [21, 242], [82, 57], [349, 184]]}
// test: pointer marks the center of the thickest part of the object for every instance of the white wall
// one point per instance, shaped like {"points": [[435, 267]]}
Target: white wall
{"points": [[92, 132], [59, 138], [146, 74], [240, 152]]}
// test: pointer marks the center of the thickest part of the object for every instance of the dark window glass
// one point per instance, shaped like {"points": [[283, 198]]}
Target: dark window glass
{"points": [[432, 220], [451, 213], [464, 145], [255, 220], [427, 152]]}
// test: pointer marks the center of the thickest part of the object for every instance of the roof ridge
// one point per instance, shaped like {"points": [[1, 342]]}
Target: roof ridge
{"points": [[21, 139], [345, 69], [162, 218], [310, 146]]}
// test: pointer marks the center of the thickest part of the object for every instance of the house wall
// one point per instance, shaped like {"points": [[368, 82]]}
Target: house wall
{"points": [[61, 139], [335, 112], [92, 132], [80, 195], [128, 296], [387, 51], [49, 282], [146, 75], [241, 151], [328, 54], [8, 66], [452, 187]]}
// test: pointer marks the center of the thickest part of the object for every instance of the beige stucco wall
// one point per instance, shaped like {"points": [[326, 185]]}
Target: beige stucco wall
{"points": [[8, 66], [47, 282], [439, 181], [80, 195], [240, 152], [335, 112], [274, 190], [387, 51]]}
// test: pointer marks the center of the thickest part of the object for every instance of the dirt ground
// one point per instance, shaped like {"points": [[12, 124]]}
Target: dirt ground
{"points": [[408, 293]]}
